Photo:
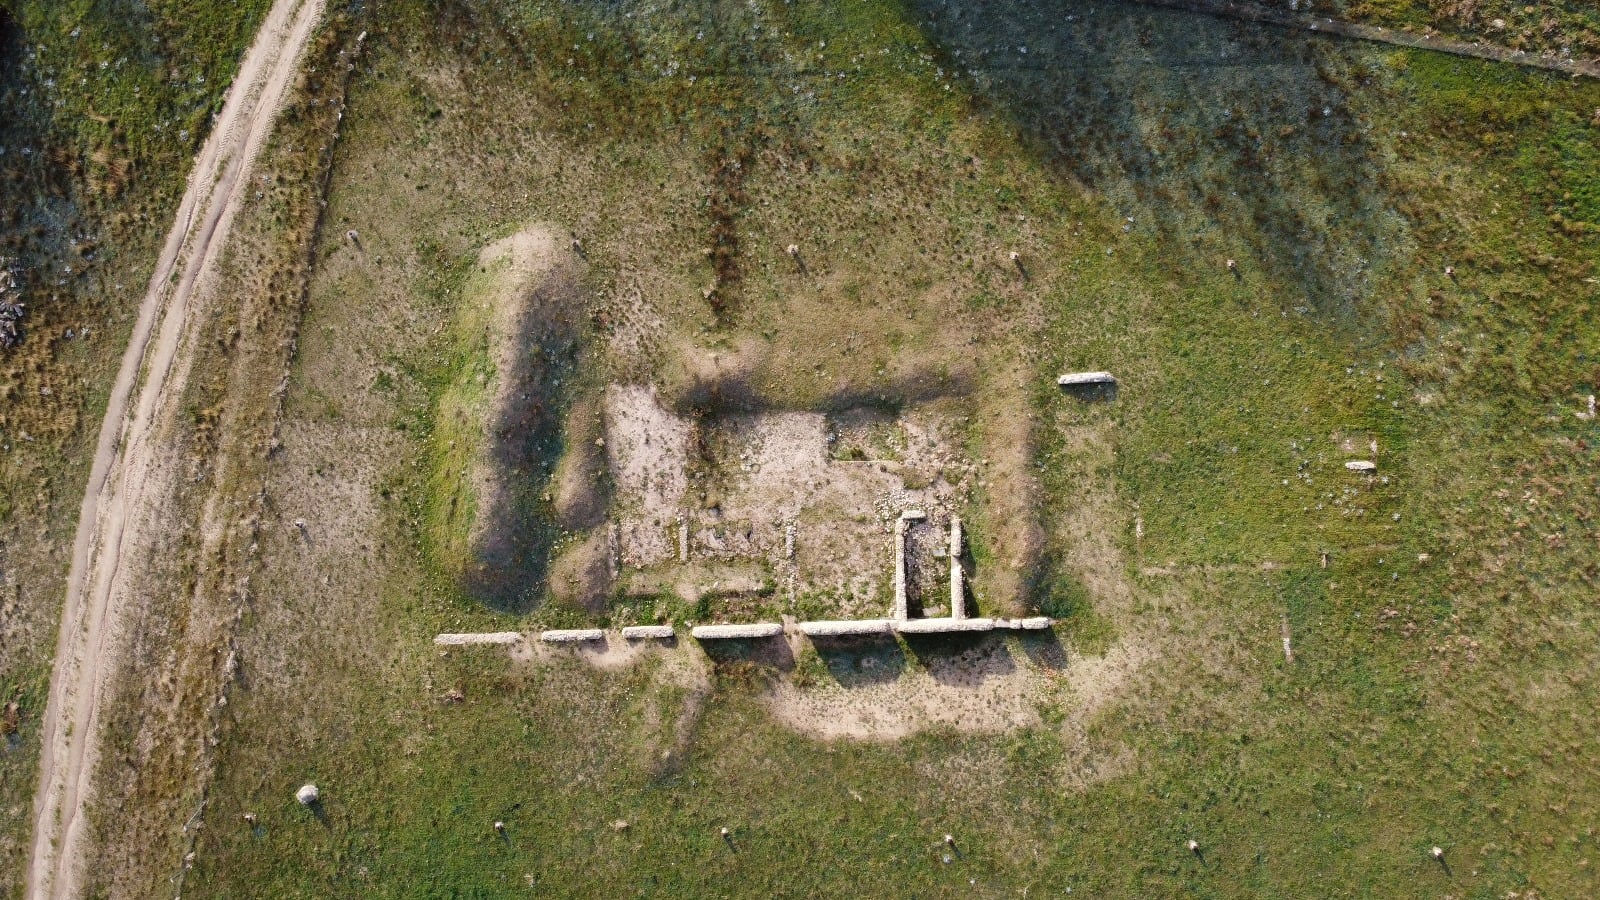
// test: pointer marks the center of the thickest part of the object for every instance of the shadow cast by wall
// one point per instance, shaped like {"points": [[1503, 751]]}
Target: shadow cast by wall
{"points": [[1043, 648], [771, 653], [861, 660], [1227, 139], [961, 659]]}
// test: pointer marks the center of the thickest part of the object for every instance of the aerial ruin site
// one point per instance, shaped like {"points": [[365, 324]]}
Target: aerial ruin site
{"points": [[783, 448]]}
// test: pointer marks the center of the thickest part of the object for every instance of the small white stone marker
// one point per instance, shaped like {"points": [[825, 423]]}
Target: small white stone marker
{"points": [[1193, 845], [1361, 465], [950, 840], [500, 826], [1073, 379], [942, 626], [1438, 853], [308, 794]]}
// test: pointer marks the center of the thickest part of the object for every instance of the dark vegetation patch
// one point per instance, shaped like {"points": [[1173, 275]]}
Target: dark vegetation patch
{"points": [[1229, 142]]}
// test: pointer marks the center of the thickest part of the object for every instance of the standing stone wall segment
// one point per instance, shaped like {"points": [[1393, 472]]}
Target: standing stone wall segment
{"points": [[571, 635], [942, 626], [1032, 623], [648, 633], [499, 638], [899, 612], [842, 627], [1076, 379], [729, 632]]}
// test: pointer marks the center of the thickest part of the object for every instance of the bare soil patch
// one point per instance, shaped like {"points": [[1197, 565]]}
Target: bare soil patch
{"points": [[802, 502]]}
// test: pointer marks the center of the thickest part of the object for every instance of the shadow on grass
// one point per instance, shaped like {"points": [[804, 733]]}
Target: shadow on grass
{"points": [[762, 653], [1091, 393], [1227, 139], [964, 659], [861, 660], [1043, 648]]}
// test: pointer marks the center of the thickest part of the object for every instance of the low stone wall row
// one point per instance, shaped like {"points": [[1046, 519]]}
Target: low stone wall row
{"points": [[490, 637], [753, 631]]}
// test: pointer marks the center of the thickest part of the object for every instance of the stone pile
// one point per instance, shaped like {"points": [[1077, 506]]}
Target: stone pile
{"points": [[12, 309]]}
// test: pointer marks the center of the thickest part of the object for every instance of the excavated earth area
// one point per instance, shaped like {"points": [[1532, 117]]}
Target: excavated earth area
{"points": [[800, 505]]}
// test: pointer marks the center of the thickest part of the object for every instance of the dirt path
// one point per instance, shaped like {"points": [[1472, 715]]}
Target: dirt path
{"points": [[1252, 12], [122, 462]]}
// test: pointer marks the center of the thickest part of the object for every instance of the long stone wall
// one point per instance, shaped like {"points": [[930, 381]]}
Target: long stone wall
{"points": [[842, 627], [727, 632], [942, 626], [899, 621]]}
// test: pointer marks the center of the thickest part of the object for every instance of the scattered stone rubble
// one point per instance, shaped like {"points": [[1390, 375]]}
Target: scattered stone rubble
{"points": [[12, 309]]}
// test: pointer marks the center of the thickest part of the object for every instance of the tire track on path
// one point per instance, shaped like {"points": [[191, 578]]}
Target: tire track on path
{"points": [[125, 475]]}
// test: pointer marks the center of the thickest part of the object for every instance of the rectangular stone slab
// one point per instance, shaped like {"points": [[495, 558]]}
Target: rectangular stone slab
{"points": [[647, 632], [835, 628], [571, 635], [482, 637], [942, 626], [1075, 378], [725, 632], [1032, 623]]}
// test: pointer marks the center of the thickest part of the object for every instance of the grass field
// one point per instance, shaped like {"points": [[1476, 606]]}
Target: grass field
{"points": [[1440, 611], [1415, 282]]}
